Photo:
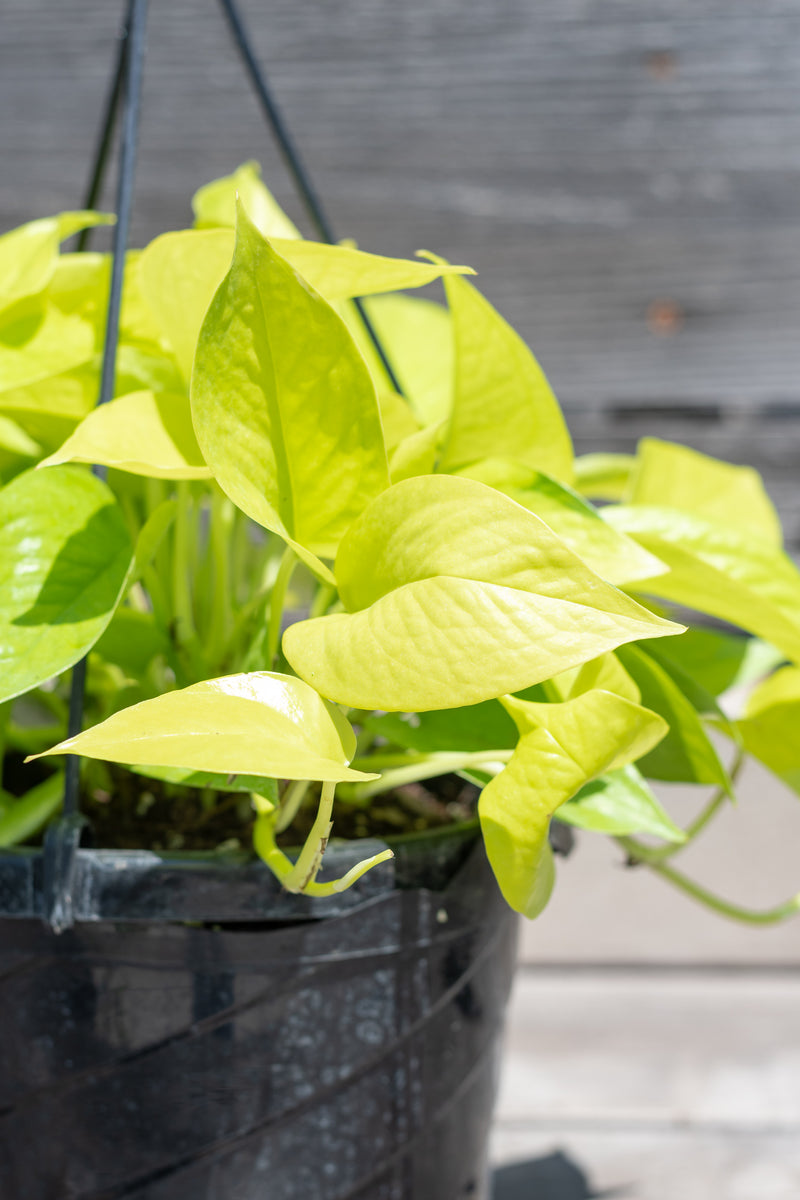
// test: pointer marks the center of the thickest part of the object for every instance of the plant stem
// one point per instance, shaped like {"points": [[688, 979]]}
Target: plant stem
{"points": [[181, 593], [427, 768], [282, 866], [293, 798], [308, 864], [220, 537], [288, 564], [325, 594], [770, 916]]}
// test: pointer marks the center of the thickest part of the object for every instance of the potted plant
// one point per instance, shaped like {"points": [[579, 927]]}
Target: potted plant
{"points": [[315, 607]]}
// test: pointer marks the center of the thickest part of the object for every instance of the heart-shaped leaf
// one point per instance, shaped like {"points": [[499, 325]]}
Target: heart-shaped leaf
{"points": [[65, 555], [561, 747], [283, 406], [728, 573], [502, 403], [457, 594], [261, 723], [143, 433]]}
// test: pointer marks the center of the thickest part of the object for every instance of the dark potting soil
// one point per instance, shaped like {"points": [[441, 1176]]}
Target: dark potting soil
{"points": [[137, 813]]}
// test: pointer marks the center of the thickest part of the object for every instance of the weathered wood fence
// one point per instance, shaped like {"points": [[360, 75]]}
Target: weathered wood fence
{"points": [[625, 174]]}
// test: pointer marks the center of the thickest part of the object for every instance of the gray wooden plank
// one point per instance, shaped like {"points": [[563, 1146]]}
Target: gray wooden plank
{"points": [[649, 1049], [661, 1086], [600, 162], [674, 1164]]}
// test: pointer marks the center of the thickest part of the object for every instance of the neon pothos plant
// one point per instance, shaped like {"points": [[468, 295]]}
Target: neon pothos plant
{"points": [[296, 579]]}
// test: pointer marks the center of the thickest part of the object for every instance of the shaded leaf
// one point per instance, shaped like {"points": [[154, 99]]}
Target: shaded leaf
{"points": [[485, 726], [65, 555], [620, 802], [26, 815], [686, 754]]}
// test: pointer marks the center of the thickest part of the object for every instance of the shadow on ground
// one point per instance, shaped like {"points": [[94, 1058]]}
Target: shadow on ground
{"points": [[555, 1177]]}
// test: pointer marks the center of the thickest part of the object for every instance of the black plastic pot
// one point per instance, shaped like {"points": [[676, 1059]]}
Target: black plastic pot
{"points": [[275, 1049]]}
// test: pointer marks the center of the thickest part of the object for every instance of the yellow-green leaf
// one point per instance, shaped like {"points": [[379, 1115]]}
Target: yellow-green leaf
{"points": [[28, 255], [617, 558], [770, 729], [283, 406], [686, 754], [620, 802], [669, 475], [603, 476], [259, 723], [463, 596], [40, 343], [214, 204], [561, 747], [417, 337], [728, 573], [502, 403], [180, 273], [143, 433], [65, 556]]}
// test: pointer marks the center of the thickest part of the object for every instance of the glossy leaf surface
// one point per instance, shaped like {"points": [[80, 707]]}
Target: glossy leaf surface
{"points": [[719, 570], [65, 555], [143, 433], [261, 723], [457, 594], [620, 802], [502, 403], [561, 747], [283, 406]]}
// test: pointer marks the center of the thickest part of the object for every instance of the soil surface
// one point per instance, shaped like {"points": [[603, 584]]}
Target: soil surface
{"points": [[146, 814]]}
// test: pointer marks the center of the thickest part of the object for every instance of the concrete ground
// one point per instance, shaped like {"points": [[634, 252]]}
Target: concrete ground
{"points": [[653, 1048]]}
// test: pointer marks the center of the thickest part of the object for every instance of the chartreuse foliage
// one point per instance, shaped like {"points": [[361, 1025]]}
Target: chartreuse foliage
{"points": [[297, 579]]}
